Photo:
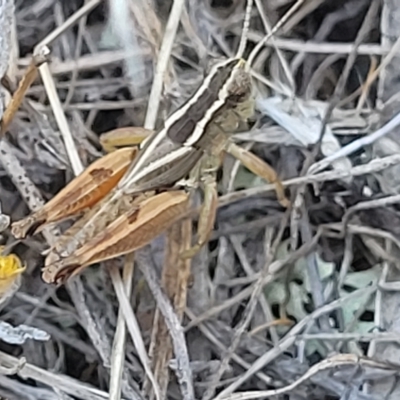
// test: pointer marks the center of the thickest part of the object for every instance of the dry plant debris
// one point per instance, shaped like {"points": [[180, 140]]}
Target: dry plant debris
{"points": [[297, 304]]}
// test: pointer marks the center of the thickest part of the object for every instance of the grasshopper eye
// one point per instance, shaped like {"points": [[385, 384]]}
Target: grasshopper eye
{"points": [[241, 89]]}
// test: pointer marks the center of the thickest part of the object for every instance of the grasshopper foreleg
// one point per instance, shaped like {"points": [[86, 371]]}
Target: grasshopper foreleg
{"points": [[260, 168]]}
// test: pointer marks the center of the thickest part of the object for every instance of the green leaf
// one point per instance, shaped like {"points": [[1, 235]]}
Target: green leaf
{"points": [[246, 180], [362, 279], [300, 288]]}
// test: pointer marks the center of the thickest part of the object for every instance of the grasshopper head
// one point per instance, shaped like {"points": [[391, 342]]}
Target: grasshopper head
{"points": [[239, 87], [239, 92], [238, 101]]}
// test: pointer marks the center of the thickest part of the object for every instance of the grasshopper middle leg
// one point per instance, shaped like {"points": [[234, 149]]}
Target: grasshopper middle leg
{"points": [[123, 137]]}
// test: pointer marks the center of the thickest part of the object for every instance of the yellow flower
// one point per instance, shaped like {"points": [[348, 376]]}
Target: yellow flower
{"points": [[11, 269]]}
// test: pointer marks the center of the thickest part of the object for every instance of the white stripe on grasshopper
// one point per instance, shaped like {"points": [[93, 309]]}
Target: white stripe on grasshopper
{"points": [[222, 96], [167, 159], [154, 140]]}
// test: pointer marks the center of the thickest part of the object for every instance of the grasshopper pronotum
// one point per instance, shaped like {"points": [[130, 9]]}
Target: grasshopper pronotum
{"points": [[132, 195]]}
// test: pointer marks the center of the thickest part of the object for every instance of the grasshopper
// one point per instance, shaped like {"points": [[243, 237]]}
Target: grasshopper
{"points": [[133, 194]]}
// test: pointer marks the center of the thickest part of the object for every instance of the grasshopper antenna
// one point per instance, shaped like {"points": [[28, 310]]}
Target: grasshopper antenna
{"points": [[275, 29], [245, 30]]}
